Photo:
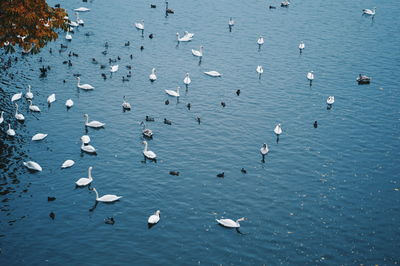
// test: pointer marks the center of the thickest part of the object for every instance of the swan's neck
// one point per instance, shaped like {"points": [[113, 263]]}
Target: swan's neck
{"points": [[29, 88], [87, 119], [145, 147], [90, 174], [239, 220], [79, 82], [177, 90], [16, 110], [9, 126], [97, 194]]}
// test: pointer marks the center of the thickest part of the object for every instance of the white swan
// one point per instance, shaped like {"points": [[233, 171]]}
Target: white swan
{"points": [[69, 103], [230, 223], [33, 166], [140, 26], [148, 154], [39, 136], [264, 149], [33, 108], [10, 131], [1, 117], [147, 132], [73, 24], [106, 198], [155, 218], [84, 181], [83, 86], [51, 99], [260, 40], [260, 70], [126, 105], [68, 36], [88, 148], [188, 34], [369, 11], [278, 129], [29, 94], [19, 117], [198, 53], [67, 164], [79, 20], [85, 139], [184, 38], [114, 68], [302, 45], [231, 22], [82, 9], [16, 97], [172, 92], [187, 80], [330, 100], [153, 76], [310, 75], [94, 123], [213, 73]]}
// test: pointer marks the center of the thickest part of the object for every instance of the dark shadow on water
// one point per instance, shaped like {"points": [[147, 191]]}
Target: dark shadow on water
{"points": [[94, 206], [149, 226]]}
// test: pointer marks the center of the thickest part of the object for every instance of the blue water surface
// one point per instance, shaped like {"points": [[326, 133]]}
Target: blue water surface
{"points": [[326, 195]]}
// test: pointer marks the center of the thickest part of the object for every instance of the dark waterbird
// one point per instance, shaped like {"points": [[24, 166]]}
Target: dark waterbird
{"points": [[141, 48], [127, 43], [198, 120], [109, 220], [174, 173], [152, 6], [223, 104], [168, 10], [167, 122], [221, 175], [243, 171], [149, 119], [166, 102], [238, 92], [52, 215], [315, 124], [51, 198], [188, 106], [363, 79], [151, 36]]}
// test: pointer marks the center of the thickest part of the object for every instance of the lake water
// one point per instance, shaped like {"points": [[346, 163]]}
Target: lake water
{"points": [[324, 195]]}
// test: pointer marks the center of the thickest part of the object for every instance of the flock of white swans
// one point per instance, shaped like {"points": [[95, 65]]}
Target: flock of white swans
{"points": [[85, 139]]}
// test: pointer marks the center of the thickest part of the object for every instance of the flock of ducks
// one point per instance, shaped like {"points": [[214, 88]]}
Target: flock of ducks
{"points": [[148, 133]]}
